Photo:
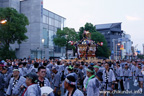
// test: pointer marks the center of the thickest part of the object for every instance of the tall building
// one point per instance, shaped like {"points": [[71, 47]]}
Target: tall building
{"points": [[127, 51], [41, 30], [111, 32]]}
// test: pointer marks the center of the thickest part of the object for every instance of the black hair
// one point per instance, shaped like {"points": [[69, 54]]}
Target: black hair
{"points": [[92, 69], [33, 76], [36, 65], [72, 79], [24, 63], [20, 63], [41, 67], [44, 64], [58, 62], [82, 63]]}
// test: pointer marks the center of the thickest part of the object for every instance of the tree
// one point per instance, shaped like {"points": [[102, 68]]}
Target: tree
{"points": [[102, 51], [64, 36], [13, 31]]}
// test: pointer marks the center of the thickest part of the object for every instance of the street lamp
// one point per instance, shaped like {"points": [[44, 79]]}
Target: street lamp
{"points": [[3, 21], [43, 41]]}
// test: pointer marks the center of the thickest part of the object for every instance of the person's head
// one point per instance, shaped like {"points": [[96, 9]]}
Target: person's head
{"points": [[126, 66], [31, 78], [4, 70], [96, 68], [106, 66], [70, 69], [82, 62], [92, 64], [117, 63], [36, 65], [133, 62], [54, 70], [42, 71], [20, 64], [70, 82], [139, 66], [58, 62], [90, 71], [99, 64], [99, 76], [15, 72], [24, 64]]}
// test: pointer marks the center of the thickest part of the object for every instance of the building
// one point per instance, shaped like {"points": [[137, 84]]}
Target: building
{"points": [[126, 53], [41, 30], [111, 32]]}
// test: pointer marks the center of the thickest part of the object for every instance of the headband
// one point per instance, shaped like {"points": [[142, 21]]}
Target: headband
{"points": [[72, 83], [96, 66], [90, 70], [16, 70]]}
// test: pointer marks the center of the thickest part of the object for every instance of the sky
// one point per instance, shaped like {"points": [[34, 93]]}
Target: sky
{"points": [[79, 12]]}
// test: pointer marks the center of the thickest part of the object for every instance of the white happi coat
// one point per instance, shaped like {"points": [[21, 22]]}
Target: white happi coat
{"points": [[33, 90]]}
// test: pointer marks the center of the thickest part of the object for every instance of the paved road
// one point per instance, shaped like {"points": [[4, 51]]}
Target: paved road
{"points": [[132, 89]]}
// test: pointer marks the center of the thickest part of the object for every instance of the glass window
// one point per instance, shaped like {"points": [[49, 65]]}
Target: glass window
{"points": [[51, 34], [47, 20], [51, 14], [44, 19], [56, 17], [51, 21], [45, 37], [57, 49], [57, 24], [45, 12], [51, 28]]}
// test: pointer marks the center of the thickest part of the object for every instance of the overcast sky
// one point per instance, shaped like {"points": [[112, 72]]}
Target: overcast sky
{"points": [[78, 12]]}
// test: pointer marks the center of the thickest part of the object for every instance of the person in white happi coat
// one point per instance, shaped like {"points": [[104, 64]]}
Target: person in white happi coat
{"points": [[133, 70], [15, 84], [139, 76], [126, 77], [108, 78], [42, 80], [70, 86], [56, 82], [119, 76], [32, 87], [91, 83]]}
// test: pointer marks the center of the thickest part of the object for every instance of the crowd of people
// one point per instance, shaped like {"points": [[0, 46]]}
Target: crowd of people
{"points": [[26, 77]]}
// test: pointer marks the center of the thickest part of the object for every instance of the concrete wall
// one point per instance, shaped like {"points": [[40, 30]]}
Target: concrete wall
{"points": [[32, 9]]}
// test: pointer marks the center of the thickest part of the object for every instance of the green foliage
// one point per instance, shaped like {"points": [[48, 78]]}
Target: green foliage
{"points": [[64, 36], [5, 53], [15, 28], [102, 51], [140, 56]]}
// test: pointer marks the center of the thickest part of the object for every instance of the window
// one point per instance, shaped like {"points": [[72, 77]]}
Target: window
{"points": [[51, 34], [51, 14], [57, 24], [44, 19], [45, 37], [45, 12], [57, 49], [51, 21]]}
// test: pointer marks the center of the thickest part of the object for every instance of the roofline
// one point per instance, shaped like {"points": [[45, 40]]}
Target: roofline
{"points": [[108, 23], [54, 13]]}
